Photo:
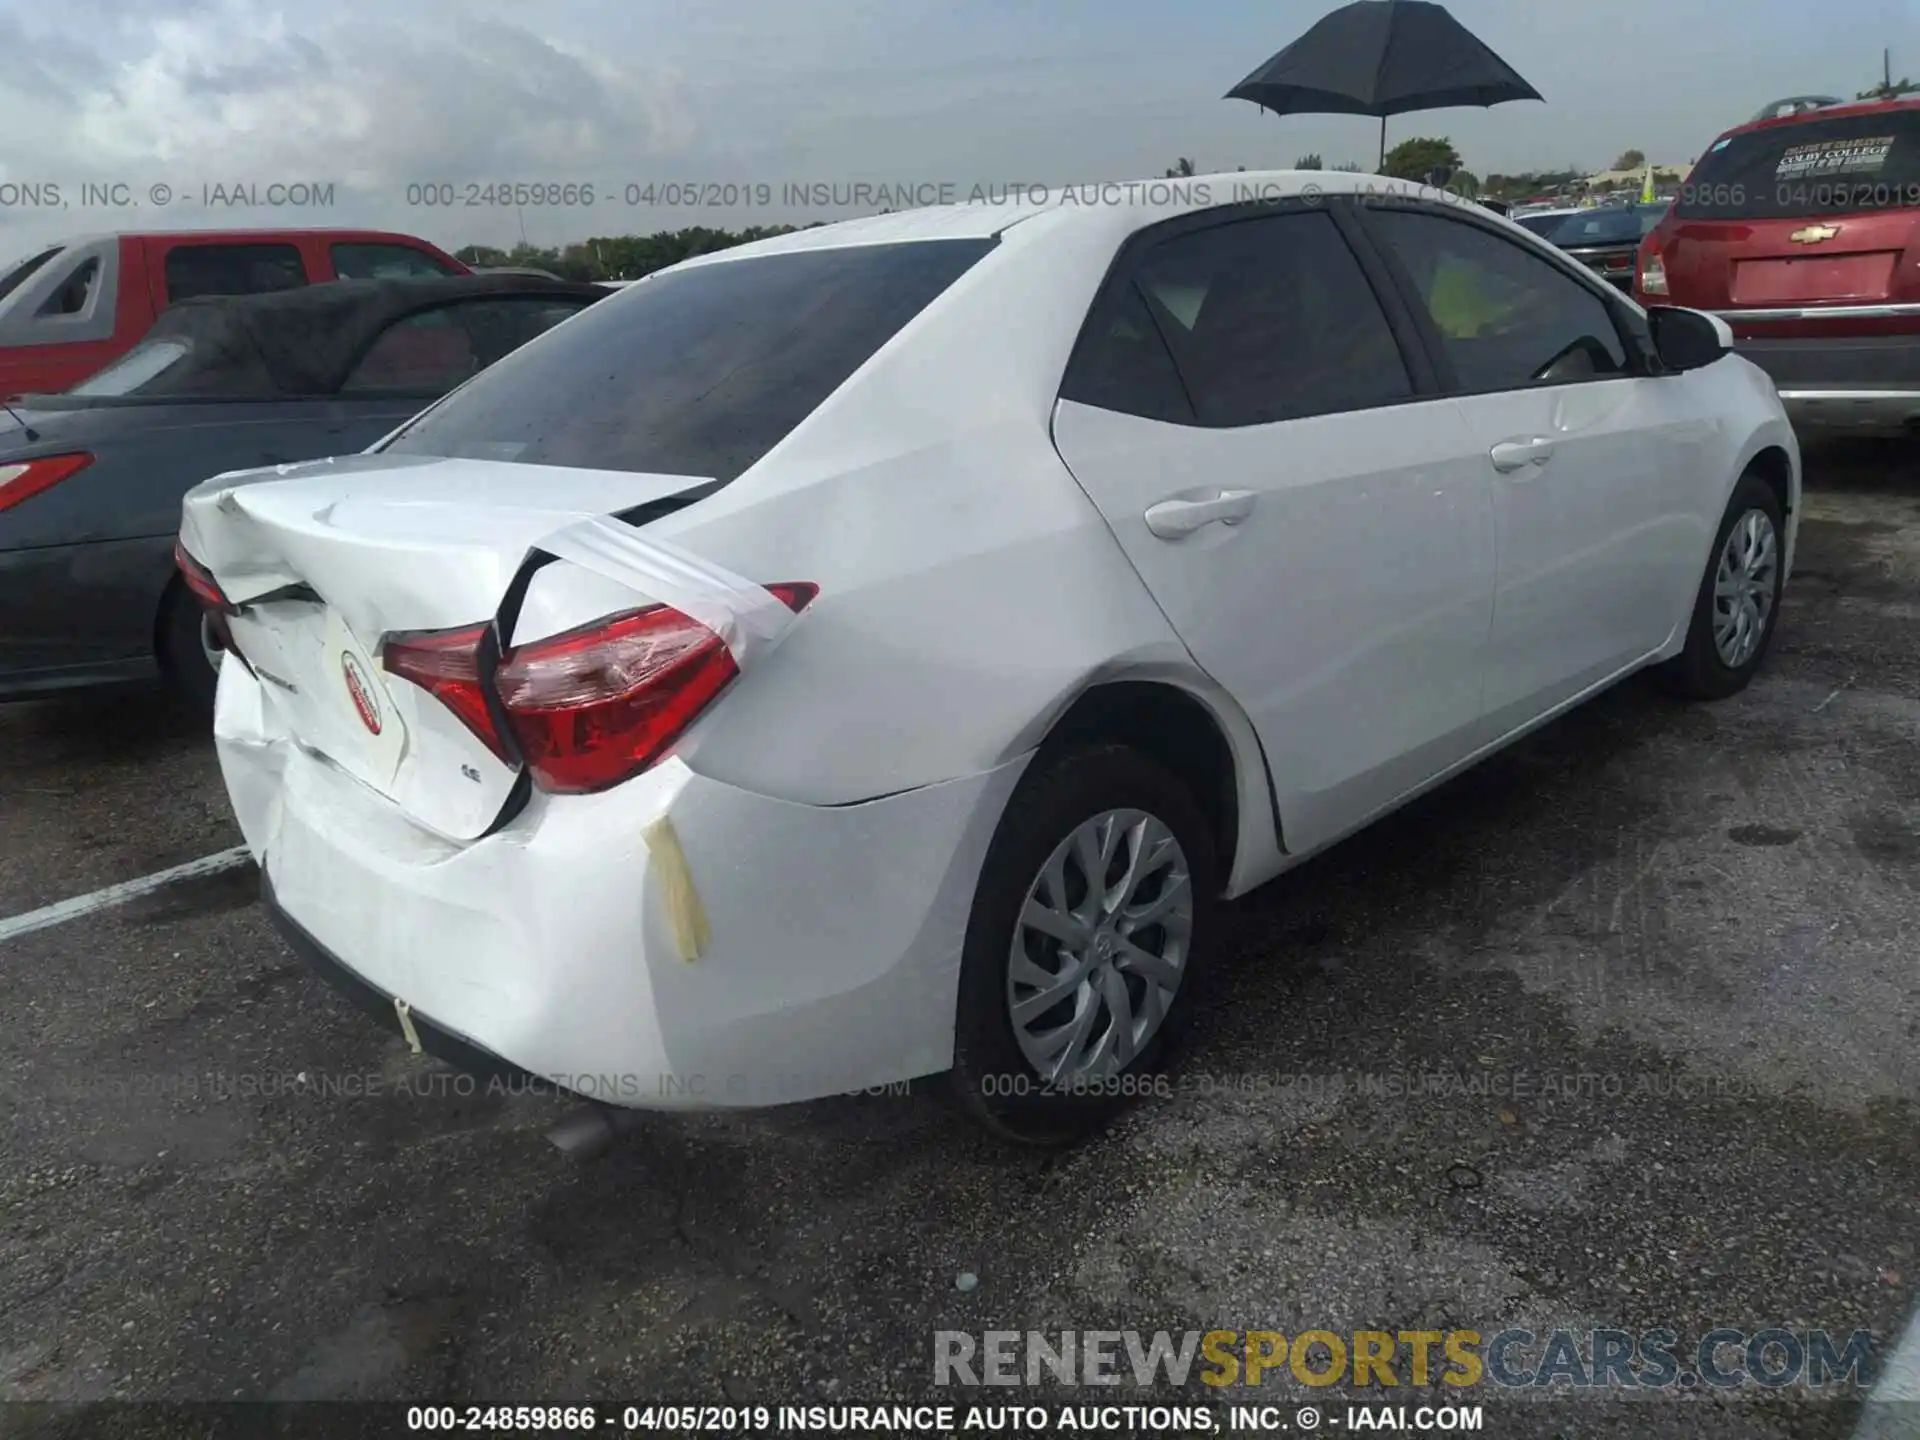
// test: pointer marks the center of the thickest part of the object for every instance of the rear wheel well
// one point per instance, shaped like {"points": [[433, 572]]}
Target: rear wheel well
{"points": [[1772, 466], [1176, 732]]}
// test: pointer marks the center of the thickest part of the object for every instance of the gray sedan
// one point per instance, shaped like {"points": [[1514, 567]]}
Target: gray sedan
{"points": [[91, 480]]}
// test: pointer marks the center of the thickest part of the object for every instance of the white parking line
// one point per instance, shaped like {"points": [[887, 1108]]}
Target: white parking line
{"points": [[1892, 1411], [65, 910]]}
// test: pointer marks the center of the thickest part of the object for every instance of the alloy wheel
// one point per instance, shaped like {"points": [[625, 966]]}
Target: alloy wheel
{"points": [[1100, 947], [1743, 586]]}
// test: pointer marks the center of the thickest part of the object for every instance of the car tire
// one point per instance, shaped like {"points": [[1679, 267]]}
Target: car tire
{"points": [[184, 665], [1068, 800], [1729, 635]]}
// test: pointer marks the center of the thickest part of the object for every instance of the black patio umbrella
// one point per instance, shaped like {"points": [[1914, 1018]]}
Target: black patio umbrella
{"points": [[1383, 57]]}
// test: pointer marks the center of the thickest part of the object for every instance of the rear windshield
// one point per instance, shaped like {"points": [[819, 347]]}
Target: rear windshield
{"points": [[1812, 167], [1542, 225], [693, 372], [1605, 227], [135, 370]]}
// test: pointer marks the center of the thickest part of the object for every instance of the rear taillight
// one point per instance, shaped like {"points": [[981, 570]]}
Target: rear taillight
{"points": [[26, 478], [199, 579], [590, 707], [213, 600], [594, 706], [1653, 273], [446, 664]]}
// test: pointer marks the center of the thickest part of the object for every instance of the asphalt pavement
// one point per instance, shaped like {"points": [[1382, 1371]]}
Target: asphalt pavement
{"points": [[1621, 1029]]}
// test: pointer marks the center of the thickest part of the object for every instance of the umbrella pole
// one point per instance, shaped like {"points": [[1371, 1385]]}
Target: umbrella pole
{"points": [[1383, 143]]}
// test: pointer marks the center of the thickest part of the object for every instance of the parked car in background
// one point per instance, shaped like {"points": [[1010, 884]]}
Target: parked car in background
{"points": [[69, 308], [873, 650], [1803, 233], [91, 480], [1542, 221], [1607, 238]]}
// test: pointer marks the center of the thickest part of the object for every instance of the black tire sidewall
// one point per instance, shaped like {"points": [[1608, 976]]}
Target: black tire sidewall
{"points": [[1701, 672], [183, 664], [1058, 793]]}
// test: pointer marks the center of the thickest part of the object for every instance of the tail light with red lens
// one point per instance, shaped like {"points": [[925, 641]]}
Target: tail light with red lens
{"points": [[23, 479], [199, 579], [446, 664], [594, 706], [590, 707], [213, 600]]}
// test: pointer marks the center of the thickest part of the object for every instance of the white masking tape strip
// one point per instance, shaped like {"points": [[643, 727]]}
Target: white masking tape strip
{"points": [[405, 1012], [744, 615]]}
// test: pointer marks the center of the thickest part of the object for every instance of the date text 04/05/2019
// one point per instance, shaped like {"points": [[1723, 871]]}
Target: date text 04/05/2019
{"points": [[938, 1419]]}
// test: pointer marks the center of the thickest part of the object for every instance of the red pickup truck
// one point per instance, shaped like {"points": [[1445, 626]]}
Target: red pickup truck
{"points": [[68, 309]]}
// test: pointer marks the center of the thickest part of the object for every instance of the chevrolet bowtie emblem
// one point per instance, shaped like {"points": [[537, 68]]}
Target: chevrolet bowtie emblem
{"points": [[1814, 234]]}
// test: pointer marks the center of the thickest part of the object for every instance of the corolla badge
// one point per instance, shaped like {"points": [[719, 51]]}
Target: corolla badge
{"points": [[1814, 234], [360, 690]]}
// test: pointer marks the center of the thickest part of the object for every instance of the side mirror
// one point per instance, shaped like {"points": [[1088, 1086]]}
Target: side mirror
{"points": [[1688, 339]]}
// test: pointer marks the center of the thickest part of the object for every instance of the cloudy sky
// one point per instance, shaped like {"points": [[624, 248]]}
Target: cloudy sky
{"points": [[372, 96]]}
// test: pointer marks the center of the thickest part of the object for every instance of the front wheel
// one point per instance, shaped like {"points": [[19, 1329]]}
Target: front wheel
{"points": [[1738, 603], [1084, 947]]}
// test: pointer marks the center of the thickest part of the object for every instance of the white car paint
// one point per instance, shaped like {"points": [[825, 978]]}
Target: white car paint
{"points": [[1387, 608]]}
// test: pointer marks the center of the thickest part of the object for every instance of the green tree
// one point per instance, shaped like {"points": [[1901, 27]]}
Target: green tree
{"points": [[1419, 157], [1181, 169], [1629, 160], [1309, 162], [620, 257], [1464, 182], [1347, 167]]}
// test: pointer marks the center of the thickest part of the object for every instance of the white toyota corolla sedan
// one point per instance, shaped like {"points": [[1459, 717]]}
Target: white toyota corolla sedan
{"points": [[872, 652]]}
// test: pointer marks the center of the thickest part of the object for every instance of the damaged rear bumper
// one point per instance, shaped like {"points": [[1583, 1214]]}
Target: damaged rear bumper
{"points": [[825, 940]]}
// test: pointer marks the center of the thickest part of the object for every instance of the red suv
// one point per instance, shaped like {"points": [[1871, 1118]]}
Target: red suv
{"points": [[1803, 233]]}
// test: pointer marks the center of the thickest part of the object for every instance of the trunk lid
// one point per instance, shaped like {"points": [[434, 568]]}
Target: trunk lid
{"points": [[324, 560], [1854, 259]]}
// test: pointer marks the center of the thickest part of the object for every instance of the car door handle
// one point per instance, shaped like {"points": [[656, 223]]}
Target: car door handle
{"points": [[1171, 519], [1512, 456]]}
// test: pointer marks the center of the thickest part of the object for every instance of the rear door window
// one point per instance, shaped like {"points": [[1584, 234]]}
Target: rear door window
{"points": [[232, 270], [1840, 163], [694, 372], [1273, 319], [371, 261]]}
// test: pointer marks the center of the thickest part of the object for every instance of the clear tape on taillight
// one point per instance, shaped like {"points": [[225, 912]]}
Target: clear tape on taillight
{"points": [[23, 479], [745, 616], [594, 706], [1653, 275]]}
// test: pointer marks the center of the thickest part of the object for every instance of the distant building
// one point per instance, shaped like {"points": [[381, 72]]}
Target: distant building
{"points": [[1664, 176]]}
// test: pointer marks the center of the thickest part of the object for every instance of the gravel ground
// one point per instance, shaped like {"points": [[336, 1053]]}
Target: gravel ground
{"points": [[1663, 956]]}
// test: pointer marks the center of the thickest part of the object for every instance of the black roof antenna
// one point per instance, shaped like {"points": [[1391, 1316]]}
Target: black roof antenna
{"points": [[31, 435]]}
